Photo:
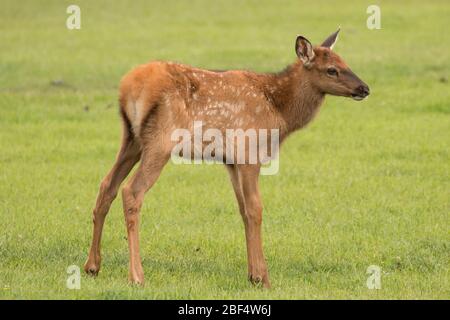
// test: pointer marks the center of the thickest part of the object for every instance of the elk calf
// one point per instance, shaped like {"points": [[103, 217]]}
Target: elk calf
{"points": [[160, 97]]}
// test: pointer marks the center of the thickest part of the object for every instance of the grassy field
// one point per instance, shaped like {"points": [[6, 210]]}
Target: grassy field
{"points": [[365, 184]]}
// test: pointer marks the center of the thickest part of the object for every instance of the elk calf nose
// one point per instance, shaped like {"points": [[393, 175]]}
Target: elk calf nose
{"points": [[360, 92], [363, 90]]}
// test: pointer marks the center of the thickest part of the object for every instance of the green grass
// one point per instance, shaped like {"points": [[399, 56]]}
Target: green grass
{"points": [[365, 184]]}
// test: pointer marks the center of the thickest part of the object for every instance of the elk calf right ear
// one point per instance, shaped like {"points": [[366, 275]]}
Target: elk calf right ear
{"points": [[331, 40], [304, 50]]}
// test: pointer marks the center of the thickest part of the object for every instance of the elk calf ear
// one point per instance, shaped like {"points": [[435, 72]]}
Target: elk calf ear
{"points": [[304, 50], [331, 40]]}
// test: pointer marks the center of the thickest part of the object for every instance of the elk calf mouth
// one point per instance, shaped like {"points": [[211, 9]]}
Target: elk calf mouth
{"points": [[357, 97]]}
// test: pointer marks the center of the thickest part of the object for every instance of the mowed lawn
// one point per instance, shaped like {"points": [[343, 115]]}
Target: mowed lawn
{"points": [[367, 183]]}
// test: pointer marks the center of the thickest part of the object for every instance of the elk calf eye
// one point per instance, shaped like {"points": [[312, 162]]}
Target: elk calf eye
{"points": [[332, 71]]}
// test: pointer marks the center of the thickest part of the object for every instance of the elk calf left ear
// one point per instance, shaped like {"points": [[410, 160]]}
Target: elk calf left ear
{"points": [[304, 50]]}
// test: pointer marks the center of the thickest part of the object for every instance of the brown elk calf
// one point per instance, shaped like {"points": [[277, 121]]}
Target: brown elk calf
{"points": [[160, 97]]}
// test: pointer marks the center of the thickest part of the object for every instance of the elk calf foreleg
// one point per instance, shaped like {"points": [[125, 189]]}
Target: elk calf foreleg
{"points": [[237, 187], [248, 175]]}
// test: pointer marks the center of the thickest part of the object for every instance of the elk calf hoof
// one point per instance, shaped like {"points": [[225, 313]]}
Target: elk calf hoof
{"points": [[92, 269], [136, 282], [259, 280]]}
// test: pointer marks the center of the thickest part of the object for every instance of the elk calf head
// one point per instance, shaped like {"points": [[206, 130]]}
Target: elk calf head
{"points": [[327, 71]]}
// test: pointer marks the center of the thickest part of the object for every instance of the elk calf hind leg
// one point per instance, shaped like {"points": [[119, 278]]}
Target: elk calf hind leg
{"points": [[127, 157], [133, 193]]}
